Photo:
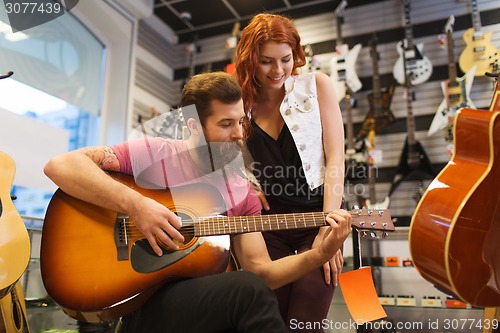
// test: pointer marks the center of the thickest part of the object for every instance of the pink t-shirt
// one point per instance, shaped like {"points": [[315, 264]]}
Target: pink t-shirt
{"points": [[164, 163]]}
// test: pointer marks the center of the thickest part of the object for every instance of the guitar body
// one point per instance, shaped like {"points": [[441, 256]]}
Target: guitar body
{"points": [[95, 275], [455, 230], [414, 164], [13, 311], [343, 72], [378, 117], [417, 64], [479, 52], [456, 96], [14, 238]]}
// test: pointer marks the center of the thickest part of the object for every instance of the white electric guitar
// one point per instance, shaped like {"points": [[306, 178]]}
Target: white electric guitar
{"points": [[342, 65], [418, 65], [456, 91]]}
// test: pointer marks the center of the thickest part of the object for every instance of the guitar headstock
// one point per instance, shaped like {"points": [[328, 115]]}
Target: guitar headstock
{"points": [[449, 24], [372, 222], [339, 11]]}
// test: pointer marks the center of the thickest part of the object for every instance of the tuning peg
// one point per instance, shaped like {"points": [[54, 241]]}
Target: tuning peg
{"points": [[370, 212], [384, 225], [361, 224], [373, 224], [373, 234], [381, 212], [384, 235]]}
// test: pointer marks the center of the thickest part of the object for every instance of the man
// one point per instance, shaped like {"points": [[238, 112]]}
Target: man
{"points": [[226, 302]]}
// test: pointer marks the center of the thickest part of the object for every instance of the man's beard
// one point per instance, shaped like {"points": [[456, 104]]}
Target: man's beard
{"points": [[222, 155]]}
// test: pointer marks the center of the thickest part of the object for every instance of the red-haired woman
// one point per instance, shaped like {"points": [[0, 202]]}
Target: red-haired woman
{"points": [[297, 143]]}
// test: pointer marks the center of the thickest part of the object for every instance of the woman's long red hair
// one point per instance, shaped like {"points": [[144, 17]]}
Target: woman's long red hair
{"points": [[262, 28]]}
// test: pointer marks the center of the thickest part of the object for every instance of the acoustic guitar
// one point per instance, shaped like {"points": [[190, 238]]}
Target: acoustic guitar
{"points": [[13, 311], [14, 253], [478, 51], [455, 229], [411, 58], [97, 266]]}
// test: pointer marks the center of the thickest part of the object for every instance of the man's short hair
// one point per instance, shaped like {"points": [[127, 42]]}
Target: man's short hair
{"points": [[203, 88]]}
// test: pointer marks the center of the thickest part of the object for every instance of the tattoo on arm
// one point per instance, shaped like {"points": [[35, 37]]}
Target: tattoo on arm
{"points": [[104, 157]]}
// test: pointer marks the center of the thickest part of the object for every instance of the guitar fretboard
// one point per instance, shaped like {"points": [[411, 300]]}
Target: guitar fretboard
{"points": [[240, 224], [476, 18], [364, 219]]}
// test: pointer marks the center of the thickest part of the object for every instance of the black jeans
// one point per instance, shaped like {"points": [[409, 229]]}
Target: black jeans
{"points": [[227, 302]]}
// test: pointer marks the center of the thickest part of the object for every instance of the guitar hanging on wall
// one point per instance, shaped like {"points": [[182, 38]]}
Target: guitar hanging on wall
{"points": [[342, 65], [356, 167], [380, 115], [456, 90], [479, 51], [455, 229], [414, 164], [411, 57]]}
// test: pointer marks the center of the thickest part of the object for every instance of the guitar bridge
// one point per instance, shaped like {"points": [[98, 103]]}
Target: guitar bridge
{"points": [[120, 236]]}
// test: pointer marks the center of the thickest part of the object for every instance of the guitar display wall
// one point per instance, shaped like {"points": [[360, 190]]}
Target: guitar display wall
{"points": [[361, 20]]}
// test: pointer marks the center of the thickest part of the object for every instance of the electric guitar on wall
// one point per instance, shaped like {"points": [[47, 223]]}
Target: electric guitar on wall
{"points": [[380, 115], [455, 229], [479, 51], [411, 58], [355, 153], [371, 201], [98, 266], [414, 164], [14, 254], [342, 65], [456, 91]]}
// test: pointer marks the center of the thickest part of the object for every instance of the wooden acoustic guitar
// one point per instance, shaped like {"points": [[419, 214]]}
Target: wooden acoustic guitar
{"points": [[456, 90], [97, 266], [343, 64], [478, 51], [14, 253], [455, 230]]}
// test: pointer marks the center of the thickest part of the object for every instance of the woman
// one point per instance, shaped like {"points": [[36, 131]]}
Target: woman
{"points": [[297, 143]]}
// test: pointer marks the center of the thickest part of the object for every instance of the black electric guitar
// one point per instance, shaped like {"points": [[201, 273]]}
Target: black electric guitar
{"points": [[342, 65], [98, 266], [479, 51], [356, 167], [380, 115], [411, 58], [414, 164]]}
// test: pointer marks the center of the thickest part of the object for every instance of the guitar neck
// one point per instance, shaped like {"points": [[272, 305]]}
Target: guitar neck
{"points": [[211, 226], [377, 90], [349, 122], [407, 26], [476, 17], [452, 68], [410, 119]]}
